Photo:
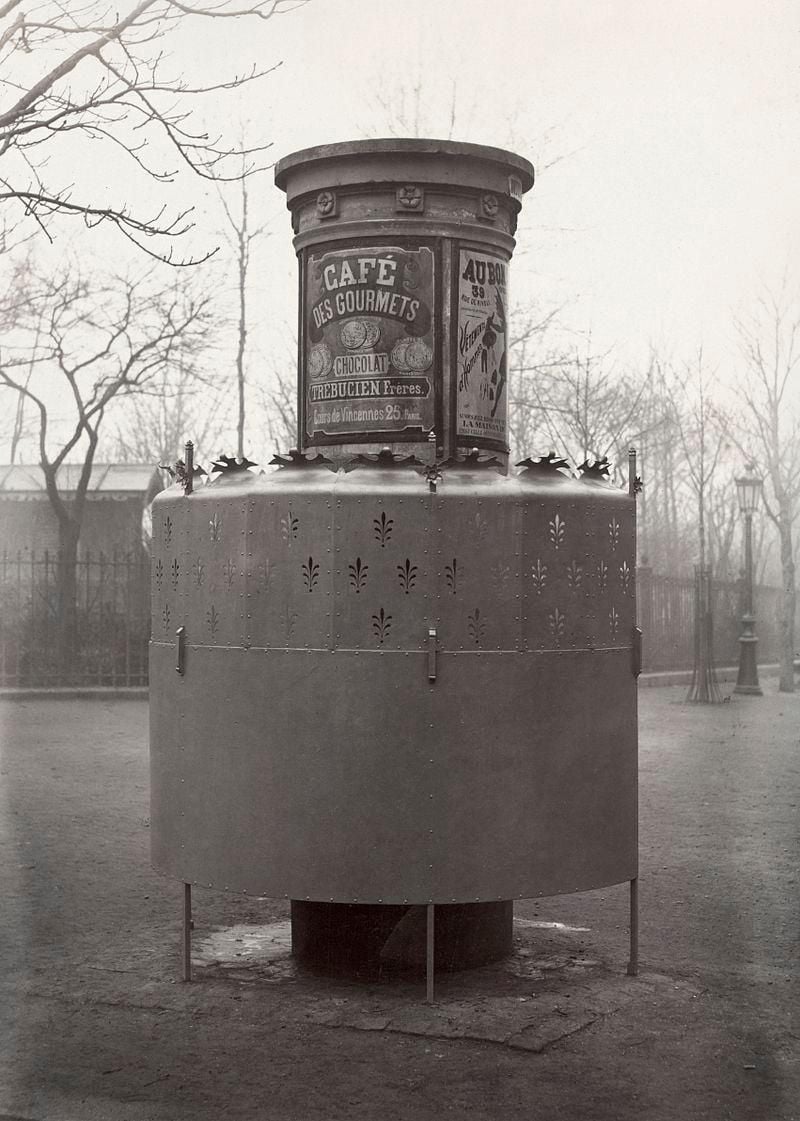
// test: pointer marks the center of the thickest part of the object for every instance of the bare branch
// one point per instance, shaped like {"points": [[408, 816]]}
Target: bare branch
{"points": [[107, 86]]}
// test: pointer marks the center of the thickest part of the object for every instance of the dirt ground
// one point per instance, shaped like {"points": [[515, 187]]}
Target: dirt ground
{"points": [[96, 1023]]}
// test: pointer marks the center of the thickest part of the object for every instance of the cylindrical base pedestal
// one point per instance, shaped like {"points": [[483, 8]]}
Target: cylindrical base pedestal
{"points": [[365, 940], [747, 681]]}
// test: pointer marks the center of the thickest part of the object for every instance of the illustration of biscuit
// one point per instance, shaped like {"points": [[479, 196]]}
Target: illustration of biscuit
{"points": [[411, 356], [353, 334], [320, 361], [418, 355], [373, 332], [398, 356]]}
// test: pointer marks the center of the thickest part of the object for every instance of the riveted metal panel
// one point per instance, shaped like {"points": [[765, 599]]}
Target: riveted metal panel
{"points": [[614, 548], [289, 599], [168, 768], [578, 563], [383, 567], [554, 564], [168, 567], [215, 564], [513, 775], [536, 774], [340, 771], [478, 586], [320, 796]]}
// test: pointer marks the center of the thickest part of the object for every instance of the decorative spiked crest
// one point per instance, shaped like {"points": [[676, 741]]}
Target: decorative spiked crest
{"points": [[229, 465], [548, 466]]}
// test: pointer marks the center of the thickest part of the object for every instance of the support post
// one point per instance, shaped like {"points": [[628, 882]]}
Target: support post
{"points": [[189, 461], [632, 472], [187, 932], [429, 954], [747, 680], [633, 962]]}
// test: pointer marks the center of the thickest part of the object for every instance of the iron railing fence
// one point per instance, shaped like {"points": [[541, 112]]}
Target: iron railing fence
{"points": [[665, 608], [112, 623]]}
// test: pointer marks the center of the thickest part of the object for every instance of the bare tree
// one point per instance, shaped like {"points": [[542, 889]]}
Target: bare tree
{"points": [[242, 235], [702, 434], [181, 403], [722, 519], [662, 532], [85, 73], [277, 400], [98, 341], [533, 356], [578, 403], [769, 432], [702, 441]]}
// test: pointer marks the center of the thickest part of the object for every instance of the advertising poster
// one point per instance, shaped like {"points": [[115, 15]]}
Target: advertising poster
{"points": [[481, 346], [369, 346]]}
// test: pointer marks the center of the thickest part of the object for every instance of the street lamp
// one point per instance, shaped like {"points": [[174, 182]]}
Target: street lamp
{"points": [[748, 488]]}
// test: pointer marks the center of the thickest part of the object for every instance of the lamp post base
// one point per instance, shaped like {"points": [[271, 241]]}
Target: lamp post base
{"points": [[747, 681]]}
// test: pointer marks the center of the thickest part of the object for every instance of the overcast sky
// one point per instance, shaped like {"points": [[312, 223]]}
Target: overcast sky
{"points": [[671, 130], [665, 137]]}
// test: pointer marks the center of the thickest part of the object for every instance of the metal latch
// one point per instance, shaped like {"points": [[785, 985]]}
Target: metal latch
{"points": [[180, 650], [636, 651], [431, 653]]}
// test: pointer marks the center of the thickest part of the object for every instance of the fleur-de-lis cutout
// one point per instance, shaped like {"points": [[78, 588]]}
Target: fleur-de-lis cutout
{"points": [[310, 574], [358, 574], [556, 621], [613, 533], [175, 572], [198, 572], [451, 575], [574, 574], [383, 528], [481, 526], [290, 527], [500, 574], [539, 576], [557, 527], [407, 575], [215, 525], [602, 575], [159, 574], [212, 618], [381, 625], [229, 572], [625, 575], [167, 530], [165, 615], [476, 625], [289, 622], [264, 574], [613, 621]]}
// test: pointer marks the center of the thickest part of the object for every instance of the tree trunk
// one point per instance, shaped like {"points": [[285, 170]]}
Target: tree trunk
{"points": [[788, 601], [67, 588]]}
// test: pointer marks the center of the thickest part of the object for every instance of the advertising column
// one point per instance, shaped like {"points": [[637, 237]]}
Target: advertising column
{"points": [[481, 297], [369, 344]]}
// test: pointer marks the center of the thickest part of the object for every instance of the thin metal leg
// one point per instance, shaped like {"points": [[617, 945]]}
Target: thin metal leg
{"points": [[429, 954], [187, 932], [633, 964]]}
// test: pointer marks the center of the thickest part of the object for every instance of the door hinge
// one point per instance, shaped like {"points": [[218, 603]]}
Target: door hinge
{"points": [[180, 650], [431, 653]]}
